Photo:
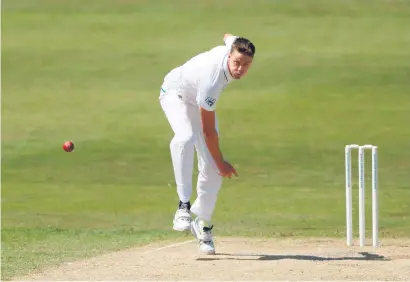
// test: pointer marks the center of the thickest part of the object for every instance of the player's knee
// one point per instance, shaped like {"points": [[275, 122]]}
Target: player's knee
{"points": [[183, 140]]}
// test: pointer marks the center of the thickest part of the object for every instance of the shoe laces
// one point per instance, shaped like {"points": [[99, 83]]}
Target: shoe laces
{"points": [[184, 214], [207, 233]]}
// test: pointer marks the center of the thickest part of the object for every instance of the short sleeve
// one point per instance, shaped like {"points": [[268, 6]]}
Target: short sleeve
{"points": [[209, 91], [230, 40]]}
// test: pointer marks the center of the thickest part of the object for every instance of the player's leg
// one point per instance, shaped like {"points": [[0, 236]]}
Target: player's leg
{"points": [[182, 149], [208, 186]]}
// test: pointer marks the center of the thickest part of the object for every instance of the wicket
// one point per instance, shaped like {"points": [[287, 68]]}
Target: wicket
{"points": [[375, 208]]}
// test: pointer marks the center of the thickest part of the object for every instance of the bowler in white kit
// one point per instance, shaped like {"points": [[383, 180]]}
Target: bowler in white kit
{"points": [[188, 96]]}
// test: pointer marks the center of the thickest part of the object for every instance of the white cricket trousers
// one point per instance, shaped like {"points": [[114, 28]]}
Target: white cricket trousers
{"points": [[185, 121]]}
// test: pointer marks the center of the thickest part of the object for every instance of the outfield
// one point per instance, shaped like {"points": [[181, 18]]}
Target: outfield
{"points": [[326, 74]]}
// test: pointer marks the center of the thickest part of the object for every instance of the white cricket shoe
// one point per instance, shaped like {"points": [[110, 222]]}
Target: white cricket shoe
{"points": [[203, 233], [182, 219]]}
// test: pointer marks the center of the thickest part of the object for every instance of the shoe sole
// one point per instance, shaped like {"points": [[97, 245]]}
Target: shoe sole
{"points": [[181, 229], [207, 253]]}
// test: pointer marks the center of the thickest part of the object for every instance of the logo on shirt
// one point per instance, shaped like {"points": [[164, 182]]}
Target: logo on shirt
{"points": [[210, 101]]}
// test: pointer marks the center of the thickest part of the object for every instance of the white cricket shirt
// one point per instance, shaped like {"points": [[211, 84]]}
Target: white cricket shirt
{"points": [[201, 79]]}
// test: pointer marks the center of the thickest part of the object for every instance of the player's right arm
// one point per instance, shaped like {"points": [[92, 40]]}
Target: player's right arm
{"points": [[212, 142], [211, 135], [208, 94]]}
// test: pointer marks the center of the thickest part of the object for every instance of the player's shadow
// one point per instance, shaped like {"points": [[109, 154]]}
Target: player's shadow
{"points": [[225, 256]]}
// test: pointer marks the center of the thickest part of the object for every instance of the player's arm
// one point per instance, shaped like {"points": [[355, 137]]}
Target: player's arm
{"points": [[208, 94], [212, 142], [211, 136], [226, 35], [229, 39]]}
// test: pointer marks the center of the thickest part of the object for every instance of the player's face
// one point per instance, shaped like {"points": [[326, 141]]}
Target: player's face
{"points": [[239, 64]]}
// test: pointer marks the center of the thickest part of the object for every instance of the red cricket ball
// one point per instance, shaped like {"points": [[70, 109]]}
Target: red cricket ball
{"points": [[68, 146]]}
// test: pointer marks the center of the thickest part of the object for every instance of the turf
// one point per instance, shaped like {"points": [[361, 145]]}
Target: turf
{"points": [[326, 74]]}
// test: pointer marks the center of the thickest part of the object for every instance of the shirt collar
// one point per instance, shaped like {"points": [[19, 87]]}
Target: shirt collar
{"points": [[227, 74]]}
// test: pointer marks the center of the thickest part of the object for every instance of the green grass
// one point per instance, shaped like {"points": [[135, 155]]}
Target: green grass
{"points": [[326, 73]]}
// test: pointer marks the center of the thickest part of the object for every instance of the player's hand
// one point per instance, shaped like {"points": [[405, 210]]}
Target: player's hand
{"points": [[227, 170]]}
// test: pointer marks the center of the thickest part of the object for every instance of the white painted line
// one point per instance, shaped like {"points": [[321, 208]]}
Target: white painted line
{"points": [[169, 246]]}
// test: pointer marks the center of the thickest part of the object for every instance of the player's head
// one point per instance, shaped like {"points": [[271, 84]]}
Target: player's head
{"points": [[240, 57]]}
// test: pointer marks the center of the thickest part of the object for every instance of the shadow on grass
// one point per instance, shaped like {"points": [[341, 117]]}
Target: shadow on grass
{"points": [[224, 256]]}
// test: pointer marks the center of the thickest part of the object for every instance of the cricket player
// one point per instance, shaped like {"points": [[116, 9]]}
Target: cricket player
{"points": [[188, 97]]}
